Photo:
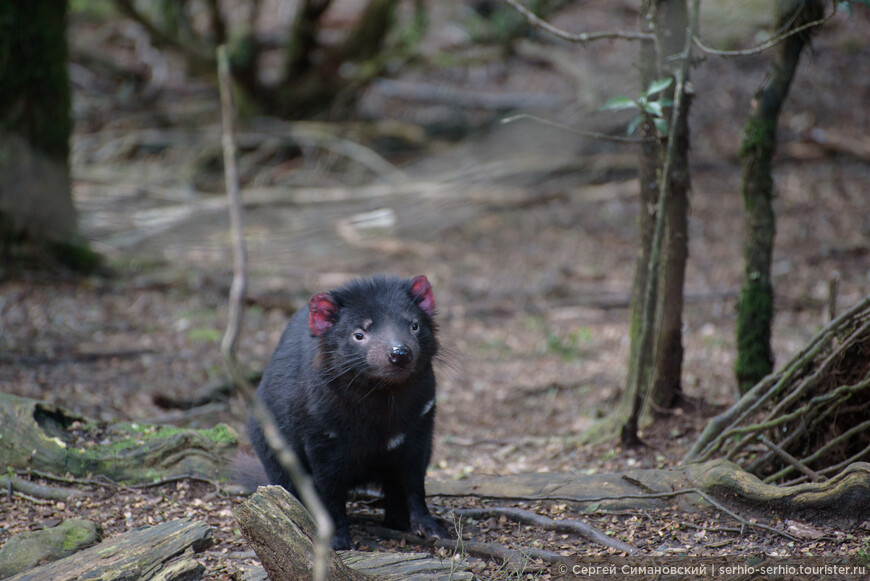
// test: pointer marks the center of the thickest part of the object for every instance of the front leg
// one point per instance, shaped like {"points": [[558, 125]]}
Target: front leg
{"points": [[422, 522], [396, 513], [332, 487], [335, 504], [405, 498]]}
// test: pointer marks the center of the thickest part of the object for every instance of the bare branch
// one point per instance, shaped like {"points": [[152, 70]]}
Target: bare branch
{"points": [[770, 43], [582, 37]]}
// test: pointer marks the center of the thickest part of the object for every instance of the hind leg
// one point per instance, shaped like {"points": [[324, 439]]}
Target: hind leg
{"points": [[274, 471]]}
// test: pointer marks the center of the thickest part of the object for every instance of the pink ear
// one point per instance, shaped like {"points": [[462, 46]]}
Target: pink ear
{"points": [[421, 291], [321, 310]]}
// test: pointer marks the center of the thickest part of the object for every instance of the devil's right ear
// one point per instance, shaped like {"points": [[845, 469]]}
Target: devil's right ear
{"points": [[322, 309]]}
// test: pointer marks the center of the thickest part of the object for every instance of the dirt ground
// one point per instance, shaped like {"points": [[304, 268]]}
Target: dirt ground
{"points": [[527, 233]]}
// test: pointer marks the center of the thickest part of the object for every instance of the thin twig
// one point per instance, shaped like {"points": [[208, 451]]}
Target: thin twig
{"points": [[582, 37], [745, 523], [563, 127], [770, 43], [287, 458], [476, 548], [571, 526]]}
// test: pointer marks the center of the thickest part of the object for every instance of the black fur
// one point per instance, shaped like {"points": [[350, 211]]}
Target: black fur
{"points": [[352, 388]]}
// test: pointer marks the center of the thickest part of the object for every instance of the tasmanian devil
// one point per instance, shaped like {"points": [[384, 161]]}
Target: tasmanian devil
{"points": [[352, 388]]}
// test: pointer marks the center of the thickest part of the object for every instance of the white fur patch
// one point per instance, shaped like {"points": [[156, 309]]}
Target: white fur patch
{"points": [[428, 407], [395, 442]]}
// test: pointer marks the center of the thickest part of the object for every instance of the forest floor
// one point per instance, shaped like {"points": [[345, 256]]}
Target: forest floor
{"points": [[527, 233]]}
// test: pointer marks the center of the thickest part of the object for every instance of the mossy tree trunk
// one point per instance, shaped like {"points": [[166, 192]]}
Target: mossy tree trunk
{"points": [[36, 208], [655, 371], [755, 306]]}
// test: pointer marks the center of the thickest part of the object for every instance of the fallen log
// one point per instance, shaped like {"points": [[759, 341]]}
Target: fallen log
{"points": [[40, 436], [844, 499], [26, 550], [159, 552], [282, 533]]}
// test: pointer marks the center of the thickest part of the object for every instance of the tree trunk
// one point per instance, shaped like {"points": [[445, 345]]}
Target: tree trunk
{"points": [[755, 306], [36, 206], [655, 372]]}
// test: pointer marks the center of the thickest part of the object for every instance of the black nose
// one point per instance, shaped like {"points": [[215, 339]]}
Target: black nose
{"points": [[400, 355]]}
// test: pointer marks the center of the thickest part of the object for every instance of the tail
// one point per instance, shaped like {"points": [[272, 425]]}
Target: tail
{"points": [[249, 472]]}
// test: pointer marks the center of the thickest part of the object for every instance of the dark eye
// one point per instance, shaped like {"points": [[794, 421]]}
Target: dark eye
{"points": [[359, 336], [415, 326]]}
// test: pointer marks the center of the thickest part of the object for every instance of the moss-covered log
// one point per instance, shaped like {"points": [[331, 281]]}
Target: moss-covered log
{"points": [[30, 549], [40, 436], [151, 553]]}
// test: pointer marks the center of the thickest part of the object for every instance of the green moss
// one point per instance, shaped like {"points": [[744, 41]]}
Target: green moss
{"points": [[755, 314], [758, 135], [125, 436]]}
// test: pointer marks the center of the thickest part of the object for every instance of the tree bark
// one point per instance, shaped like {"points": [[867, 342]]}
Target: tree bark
{"points": [[755, 307], [281, 532]]}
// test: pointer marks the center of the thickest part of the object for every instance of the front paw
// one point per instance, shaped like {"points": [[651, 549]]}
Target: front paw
{"points": [[426, 526]]}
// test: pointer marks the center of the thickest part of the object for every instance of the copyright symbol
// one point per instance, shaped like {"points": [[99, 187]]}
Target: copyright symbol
{"points": [[563, 568]]}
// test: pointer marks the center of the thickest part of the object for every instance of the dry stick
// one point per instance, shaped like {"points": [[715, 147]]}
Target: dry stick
{"points": [[821, 451], [476, 548], [287, 458], [714, 435], [743, 522], [571, 526], [808, 414], [814, 476], [823, 368], [796, 392], [836, 467]]}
